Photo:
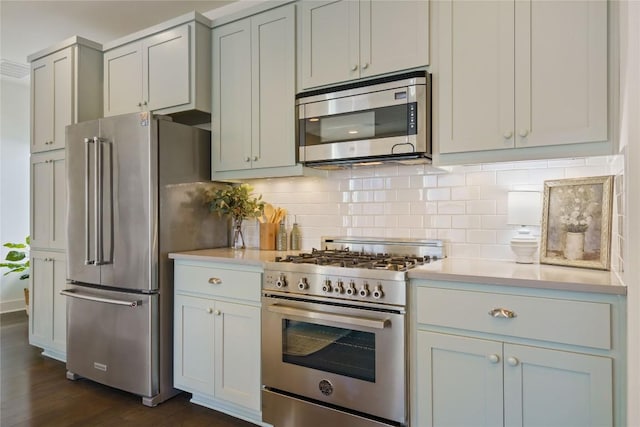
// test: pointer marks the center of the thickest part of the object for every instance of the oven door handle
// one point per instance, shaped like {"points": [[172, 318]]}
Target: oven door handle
{"points": [[332, 317]]}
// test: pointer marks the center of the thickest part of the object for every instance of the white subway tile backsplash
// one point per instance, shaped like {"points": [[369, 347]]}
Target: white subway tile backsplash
{"points": [[471, 192], [434, 194], [451, 180], [466, 205], [481, 236], [465, 221], [494, 222], [481, 207], [481, 178], [451, 207]]}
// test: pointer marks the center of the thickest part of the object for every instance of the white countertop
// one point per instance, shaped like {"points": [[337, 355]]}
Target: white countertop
{"points": [[248, 256], [507, 273], [510, 273]]}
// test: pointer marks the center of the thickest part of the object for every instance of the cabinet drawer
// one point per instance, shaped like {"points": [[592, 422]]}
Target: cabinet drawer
{"points": [[557, 320], [218, 282]]}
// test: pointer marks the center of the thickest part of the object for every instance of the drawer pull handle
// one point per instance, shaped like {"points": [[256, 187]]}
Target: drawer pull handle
{"points": [[512, 361], [502, 312], [493, 358], [215, 281], [209, 310]]}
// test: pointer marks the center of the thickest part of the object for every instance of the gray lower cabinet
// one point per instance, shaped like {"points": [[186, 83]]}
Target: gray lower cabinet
{"points": [[496, 358], [217, 336]]}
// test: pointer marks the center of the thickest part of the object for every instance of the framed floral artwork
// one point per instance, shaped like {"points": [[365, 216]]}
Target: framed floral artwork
{"points": [[576, 222]]}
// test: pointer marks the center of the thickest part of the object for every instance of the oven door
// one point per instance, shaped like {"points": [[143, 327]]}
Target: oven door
{"points": [[346, 356]]}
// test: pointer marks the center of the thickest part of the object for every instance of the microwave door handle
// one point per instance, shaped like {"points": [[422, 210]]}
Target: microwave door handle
{"points": [[331, 317]]}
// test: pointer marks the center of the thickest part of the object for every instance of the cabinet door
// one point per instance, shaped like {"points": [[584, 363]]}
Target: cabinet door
{"points": [[193, 344], [41, 300], [51, 100], [231, 120], [476, 88], [273, 88], [59, 338], [166, 69], [48, 313], [561, 72], [459, 381], [330, 38], [555, 388], [48, 200], [394, 35], [237, 354], [123, 79]]}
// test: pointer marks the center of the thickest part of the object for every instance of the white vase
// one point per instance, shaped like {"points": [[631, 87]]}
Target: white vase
{"points": [[574, 245]]}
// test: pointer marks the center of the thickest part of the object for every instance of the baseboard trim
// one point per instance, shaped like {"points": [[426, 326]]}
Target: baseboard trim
{"points": [[12, 305]]}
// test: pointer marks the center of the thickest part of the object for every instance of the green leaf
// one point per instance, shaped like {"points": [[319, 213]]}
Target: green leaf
{"points": [[28, 240], [15, 245], [15, 256], [25, 276]]}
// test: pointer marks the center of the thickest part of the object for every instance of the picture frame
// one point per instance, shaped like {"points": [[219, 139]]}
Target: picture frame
{"points": [[576, 222]]}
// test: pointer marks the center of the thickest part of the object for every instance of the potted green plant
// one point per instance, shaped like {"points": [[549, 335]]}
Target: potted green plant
{"points": [[17, 261], [236, 202]]}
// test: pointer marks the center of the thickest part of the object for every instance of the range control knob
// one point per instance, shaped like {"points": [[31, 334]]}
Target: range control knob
{"points": [[302, 284], [338, 288], [351, 289], [281, 282], [326, 287], [377, 292], [364, 291]]}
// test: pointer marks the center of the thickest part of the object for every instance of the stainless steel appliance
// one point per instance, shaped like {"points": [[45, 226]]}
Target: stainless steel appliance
{"points": [[334, 333], [132, 191], [384, 119]]}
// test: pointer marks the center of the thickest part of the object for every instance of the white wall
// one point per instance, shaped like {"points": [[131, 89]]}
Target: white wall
{"points": [[14, 180], [629, 105], [465, 206]]}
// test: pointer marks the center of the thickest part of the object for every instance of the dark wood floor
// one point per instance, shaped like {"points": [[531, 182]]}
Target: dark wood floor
{"points": [[35, 392]]}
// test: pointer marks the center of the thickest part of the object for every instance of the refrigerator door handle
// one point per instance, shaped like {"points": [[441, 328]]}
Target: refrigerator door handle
{"points": [[87, 184], [98, 201], [74, 294]]}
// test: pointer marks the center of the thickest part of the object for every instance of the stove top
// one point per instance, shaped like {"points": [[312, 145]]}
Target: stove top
{"points": [[372, 270], [348, 258]]}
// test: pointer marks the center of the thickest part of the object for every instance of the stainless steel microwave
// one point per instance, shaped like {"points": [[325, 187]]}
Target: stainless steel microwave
{"points": [[380, 120]]}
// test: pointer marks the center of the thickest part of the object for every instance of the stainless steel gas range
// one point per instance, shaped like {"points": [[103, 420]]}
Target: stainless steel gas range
{"points": [[334, 333]]}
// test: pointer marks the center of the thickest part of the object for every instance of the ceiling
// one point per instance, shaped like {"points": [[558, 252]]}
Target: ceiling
{"points": [[28, 26]]}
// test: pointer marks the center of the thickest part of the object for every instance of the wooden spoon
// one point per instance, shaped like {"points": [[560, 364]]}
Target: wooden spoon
{"points": [[268, 212]]}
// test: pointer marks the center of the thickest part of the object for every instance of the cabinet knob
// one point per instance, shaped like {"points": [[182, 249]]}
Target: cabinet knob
{"points": [[248, 159], [493, 358], [217, 312], [144, 103], [209, 310], [255, 159], [507, 134], [523, 132], [365, 66], [502, 312], [139, 104], [512, 361], [355, 67], [215, 281]]}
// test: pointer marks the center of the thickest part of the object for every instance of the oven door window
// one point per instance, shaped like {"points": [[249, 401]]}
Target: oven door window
{"points": [[346, 352], [376, 123]]}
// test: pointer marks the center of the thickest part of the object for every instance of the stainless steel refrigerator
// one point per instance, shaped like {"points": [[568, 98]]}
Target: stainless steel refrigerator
{"points": [[132, 197]]}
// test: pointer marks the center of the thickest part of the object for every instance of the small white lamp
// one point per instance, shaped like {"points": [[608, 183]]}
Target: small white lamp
{"points": [[524, 208]]}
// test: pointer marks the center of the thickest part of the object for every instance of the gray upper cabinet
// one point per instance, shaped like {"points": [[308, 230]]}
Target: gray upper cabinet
{"points": [[165, 69], [346, 40], [253, 117], [518, 80], [65, 89]]}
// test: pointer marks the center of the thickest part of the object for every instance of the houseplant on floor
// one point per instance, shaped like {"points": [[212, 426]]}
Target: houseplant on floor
{"points": [[17, 261]]}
